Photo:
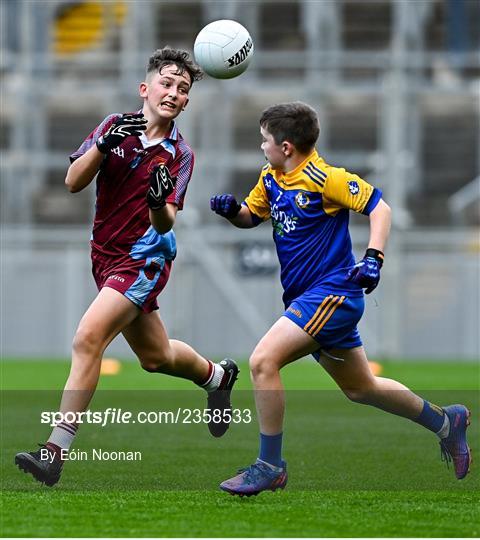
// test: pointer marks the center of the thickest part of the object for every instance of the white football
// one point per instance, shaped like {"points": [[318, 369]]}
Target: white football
{"points": [[223, 49]]}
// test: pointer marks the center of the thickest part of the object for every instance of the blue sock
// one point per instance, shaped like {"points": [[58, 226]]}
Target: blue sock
{"points": [[271, 449], [431, 417]]}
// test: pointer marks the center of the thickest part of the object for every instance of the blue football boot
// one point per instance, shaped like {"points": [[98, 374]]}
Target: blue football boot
{"points": [[256, 478], [454, 447]]}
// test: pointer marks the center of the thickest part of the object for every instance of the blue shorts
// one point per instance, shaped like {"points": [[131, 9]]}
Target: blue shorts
{"points": [[331, 319]]}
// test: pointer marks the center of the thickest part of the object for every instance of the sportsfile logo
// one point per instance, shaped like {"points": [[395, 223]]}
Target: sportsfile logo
{"points": [[240, 56], [282, 222], [114, 416]]}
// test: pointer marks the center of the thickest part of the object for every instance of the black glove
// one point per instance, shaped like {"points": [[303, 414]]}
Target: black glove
{"points": [[126, 126], [162, 184], [225, 205]]}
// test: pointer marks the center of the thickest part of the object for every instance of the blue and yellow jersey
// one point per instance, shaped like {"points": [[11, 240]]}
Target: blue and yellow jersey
{"points": [[309, 208]]}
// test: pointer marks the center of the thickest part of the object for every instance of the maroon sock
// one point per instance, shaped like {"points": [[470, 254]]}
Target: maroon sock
{"points": [[209, 375], [55, 449]]}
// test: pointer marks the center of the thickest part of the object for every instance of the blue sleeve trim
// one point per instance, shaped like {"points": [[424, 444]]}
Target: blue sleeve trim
{"points": [[373, 201], [255, 219]]}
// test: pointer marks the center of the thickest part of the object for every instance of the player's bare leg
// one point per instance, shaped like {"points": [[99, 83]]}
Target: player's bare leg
{"points": [[106, 317], [108, 314], [282, 344], [148, 339], [354, 377], [157, 353]]}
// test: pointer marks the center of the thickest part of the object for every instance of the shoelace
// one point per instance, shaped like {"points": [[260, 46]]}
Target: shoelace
{"points": [[445, 454], [37, 453], [253, 472]]}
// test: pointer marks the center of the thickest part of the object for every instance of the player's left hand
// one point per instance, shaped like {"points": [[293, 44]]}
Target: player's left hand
{"points": [[366, 273], [162, 184]]}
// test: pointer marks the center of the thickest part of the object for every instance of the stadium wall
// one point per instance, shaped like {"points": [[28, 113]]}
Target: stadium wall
{"points": [[425, 307]]}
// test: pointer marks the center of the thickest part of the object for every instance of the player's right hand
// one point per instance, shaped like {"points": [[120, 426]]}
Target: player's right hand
{"points": [[125, 126], [225, 205]]}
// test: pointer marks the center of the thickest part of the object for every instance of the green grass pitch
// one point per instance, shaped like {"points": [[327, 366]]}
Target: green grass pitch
{"points": [[354, 471]]}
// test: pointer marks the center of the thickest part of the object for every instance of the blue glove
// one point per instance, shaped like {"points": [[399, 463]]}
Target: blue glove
{"points": [[225, 205], [366, 272]]}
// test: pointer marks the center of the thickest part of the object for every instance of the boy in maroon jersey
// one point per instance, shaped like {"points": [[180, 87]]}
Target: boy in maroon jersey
{"points": [[143, 167]]}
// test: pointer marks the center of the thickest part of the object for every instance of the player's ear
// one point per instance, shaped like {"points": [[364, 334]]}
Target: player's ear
{"points": [[287, 148], [142, 89], [185, 104]]}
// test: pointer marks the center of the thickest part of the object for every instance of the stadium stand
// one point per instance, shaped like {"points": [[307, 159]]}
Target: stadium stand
{"points": [[396, 85]]}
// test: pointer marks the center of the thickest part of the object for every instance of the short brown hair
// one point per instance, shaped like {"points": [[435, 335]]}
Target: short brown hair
{"points": [[294, 122], [168, 56]]}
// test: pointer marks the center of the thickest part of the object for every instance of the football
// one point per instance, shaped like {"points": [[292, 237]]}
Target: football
{"points": [[223, 49]]}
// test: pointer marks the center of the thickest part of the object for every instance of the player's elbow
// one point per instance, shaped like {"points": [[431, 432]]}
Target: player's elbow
{"points": [[72, 183], [71, 187], [69, 184]]}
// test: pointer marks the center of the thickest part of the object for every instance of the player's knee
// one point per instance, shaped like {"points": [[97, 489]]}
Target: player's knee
{"points": [[359, 395], [87, 341], [259, 363], [156, 363]]}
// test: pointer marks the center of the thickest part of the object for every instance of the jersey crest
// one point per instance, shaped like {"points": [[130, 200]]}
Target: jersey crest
{"points": [[155, 162], [353, 187], [302, 199]]}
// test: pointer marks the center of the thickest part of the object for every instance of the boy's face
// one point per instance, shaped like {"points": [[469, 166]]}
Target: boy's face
{"points": [[274, 153], [165, 93]]}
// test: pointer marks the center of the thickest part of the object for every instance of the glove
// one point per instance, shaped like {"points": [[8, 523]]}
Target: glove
{"points": [[127, 125], [225, 205], [162, 184], [366, 272]]}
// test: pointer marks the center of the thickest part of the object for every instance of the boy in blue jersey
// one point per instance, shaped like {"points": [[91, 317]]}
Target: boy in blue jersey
{"points": [[308, 202]]}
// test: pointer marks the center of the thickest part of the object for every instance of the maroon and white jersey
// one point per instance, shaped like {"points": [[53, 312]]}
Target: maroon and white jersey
{"points": [[122, 225]]}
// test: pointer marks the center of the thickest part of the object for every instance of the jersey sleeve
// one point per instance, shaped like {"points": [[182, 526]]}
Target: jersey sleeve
{"points": [[347, 190], [257, 201], [100, 130], [182, 168]]}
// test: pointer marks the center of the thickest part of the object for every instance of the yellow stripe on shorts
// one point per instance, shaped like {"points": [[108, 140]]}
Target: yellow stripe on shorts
{"points": [[327, 301], [323, 314]]}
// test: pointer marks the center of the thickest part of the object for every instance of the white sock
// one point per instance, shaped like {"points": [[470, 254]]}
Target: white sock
{"points": [[63, 435], [445, 430], [215, 378]]}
